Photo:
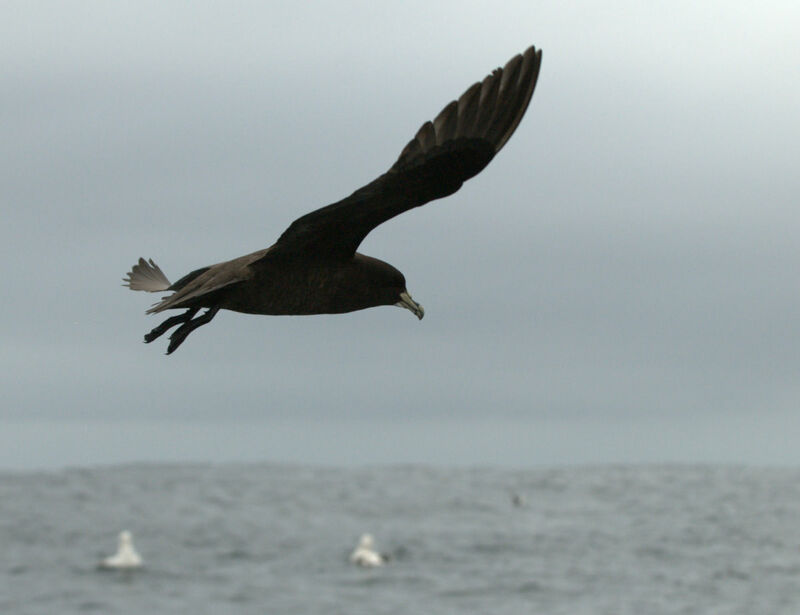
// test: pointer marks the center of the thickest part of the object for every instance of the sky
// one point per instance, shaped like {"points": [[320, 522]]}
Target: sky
{"points": [[620, 285]]}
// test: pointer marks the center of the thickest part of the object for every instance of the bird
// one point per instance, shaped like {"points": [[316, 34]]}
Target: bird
{"points": [[365, 554], [126, 557], [313, 267]]}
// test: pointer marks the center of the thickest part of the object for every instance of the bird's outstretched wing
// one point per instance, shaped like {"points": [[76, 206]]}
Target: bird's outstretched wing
{"points": [[443, 154]]}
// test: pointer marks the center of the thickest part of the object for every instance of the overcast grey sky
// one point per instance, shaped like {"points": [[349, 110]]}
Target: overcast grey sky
{"points": [[620, 284]]}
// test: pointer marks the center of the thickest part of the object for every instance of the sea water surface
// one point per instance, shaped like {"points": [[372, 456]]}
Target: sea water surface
{"points": [[263, 538]]}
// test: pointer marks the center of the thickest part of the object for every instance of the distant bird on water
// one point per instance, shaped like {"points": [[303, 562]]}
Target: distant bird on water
{"points": [[314, 268], [365, 554], [126, 557]]}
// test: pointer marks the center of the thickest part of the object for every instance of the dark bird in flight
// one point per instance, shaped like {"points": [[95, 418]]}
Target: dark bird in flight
{"points": [[314, 268]]}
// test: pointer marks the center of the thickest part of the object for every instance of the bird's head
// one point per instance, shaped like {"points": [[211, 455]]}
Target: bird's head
{"points": [[381, 284], [395, 287]]}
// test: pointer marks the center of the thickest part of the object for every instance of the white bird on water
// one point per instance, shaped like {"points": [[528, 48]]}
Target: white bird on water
{"points": [[366, 555], [126, 556]]}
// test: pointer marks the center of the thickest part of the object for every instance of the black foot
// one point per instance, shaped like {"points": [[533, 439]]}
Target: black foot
{"points": [[182, 332], [169, 323]]}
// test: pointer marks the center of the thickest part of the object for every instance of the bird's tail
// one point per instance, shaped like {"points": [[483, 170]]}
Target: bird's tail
{"points": [[146, 276]]}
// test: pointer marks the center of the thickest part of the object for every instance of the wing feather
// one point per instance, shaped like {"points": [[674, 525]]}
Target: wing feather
{"points": [[446, 123], [468, 108]]}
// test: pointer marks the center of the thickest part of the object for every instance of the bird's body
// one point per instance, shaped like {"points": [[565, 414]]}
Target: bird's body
{"points": [[279, 287], [126, 557], [365, 554], [314, 268]]}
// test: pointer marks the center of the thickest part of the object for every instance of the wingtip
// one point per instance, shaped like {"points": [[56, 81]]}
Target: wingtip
{"points": [[489, 109]]}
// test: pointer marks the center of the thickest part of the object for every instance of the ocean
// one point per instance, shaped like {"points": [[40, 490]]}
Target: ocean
{"points": [[267, 539]]}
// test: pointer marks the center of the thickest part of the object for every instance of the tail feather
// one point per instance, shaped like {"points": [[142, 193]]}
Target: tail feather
{"points": [[146, 276]]}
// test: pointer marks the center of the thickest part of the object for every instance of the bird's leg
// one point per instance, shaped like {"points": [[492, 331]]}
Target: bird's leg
{"points": [[168, 323], [176, 339]]}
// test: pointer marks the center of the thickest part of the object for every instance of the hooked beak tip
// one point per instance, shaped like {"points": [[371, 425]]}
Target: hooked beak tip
{"points": [[408, 303]]}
